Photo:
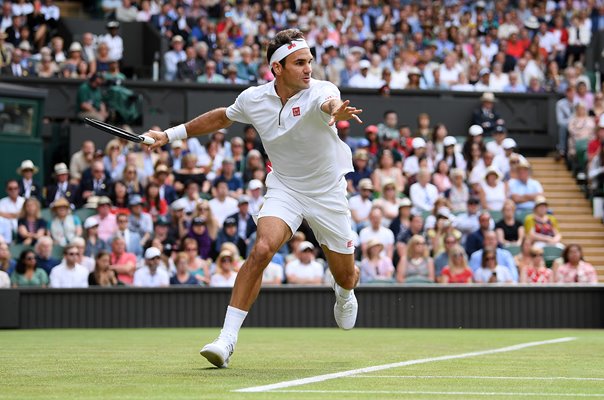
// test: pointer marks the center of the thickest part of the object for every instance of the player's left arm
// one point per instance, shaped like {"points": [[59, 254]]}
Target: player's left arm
{"points": [[340, 111]]}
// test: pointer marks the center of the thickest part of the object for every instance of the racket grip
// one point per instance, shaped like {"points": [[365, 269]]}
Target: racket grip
{"points": [[148, 140]]}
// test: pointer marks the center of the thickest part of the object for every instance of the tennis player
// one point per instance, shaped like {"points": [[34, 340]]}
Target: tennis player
{"points": [[295, 116]]}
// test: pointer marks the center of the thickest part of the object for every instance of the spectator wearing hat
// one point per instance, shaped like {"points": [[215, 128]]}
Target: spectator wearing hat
{"points": [[360, 204], [64, 227], [150, 275], [62, 187], [403, 220], [225, 275], [138, 220], [94, 244], [69, 274], [121, 261], [113, 40], [524, 189], [173, 57], [503, 162], [89, 99], [541, 227], [30, 225], [11, 205], [493, 191], [451, 154], [229, 233], [376, 267], [107, 221], [361, 170], [304, 269], [255, 191], [496, 145], [363, 79], [27, 187], [473, 147], [486, 117]]}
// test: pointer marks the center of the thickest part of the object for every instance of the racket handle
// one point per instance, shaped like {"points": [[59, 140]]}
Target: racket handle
{"points": [[148, 140]]}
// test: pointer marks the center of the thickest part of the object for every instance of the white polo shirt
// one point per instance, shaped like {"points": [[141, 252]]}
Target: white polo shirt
{"points": [[144, 278], [306, 154]]}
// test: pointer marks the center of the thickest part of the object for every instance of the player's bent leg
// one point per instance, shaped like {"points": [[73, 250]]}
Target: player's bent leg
{"points": [[346, 277], [272, 233]]}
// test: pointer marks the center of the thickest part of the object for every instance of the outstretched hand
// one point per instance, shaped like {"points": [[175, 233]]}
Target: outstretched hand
{"points": [[161, 138], [344, 113]]}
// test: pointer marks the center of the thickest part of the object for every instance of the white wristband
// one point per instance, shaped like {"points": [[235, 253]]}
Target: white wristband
{"points": [[177, 133]]}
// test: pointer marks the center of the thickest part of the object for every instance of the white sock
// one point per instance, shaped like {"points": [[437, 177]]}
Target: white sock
{"points": [[343, 293], [232, 322]]}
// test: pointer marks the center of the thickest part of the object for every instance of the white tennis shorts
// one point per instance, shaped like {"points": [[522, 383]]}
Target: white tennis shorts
{"points": [[328, 215]]}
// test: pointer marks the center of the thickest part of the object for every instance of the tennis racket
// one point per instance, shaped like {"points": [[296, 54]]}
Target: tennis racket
{"points": [[119, 132]]}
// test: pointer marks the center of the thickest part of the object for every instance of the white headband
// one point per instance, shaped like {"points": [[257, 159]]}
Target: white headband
{"points": [[287, 49]]}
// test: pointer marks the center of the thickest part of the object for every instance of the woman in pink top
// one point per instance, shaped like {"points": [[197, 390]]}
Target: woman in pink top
{"points": [[574, 269], [376, 266], [536, 271]]}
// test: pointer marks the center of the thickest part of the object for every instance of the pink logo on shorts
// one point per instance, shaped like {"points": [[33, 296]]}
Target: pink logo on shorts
{"points": [[296, 111], [349, 243]]}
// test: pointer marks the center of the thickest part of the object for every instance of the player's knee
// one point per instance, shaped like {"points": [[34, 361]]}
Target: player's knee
{"points": [[347, 279], [263, 251]]}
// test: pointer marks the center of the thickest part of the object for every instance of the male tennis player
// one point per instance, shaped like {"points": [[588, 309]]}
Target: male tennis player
{"points": [[295, 117]]}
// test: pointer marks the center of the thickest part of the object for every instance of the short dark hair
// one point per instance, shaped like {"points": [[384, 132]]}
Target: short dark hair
{"points": [[389, 112], [8, 182], [284, 37]]}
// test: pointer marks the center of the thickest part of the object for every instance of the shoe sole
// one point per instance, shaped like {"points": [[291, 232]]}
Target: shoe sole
{"points": [[214, 358]]}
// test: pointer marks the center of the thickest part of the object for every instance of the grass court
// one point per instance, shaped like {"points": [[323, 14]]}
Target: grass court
{"points": [[407, 364]]}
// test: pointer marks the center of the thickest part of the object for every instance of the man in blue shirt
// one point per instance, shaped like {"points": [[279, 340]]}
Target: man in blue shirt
{"points": [[524, 189], [504, 257]]}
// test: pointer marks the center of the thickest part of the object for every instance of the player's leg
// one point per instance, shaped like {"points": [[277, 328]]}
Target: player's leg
{"points": [[346, 277]]}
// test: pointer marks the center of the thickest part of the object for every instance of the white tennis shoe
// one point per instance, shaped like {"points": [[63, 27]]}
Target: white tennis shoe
{"points": [[345, 310], [219, 351]]}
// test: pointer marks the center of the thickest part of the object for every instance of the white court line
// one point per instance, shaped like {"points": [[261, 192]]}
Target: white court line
{"points": [[321, 378], [524, 378], [507, 394]]}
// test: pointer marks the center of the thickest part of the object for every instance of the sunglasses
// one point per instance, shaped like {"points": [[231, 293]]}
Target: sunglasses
{"points": [[490, 258], [30, 258], [13, 188], [73, 254], [536, 254]]}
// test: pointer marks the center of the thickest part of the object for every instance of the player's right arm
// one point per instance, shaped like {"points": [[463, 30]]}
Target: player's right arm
{"points": [[204, 124]]}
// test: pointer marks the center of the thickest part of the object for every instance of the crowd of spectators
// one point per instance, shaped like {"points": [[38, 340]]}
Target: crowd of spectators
{"points": [[426, 208]]}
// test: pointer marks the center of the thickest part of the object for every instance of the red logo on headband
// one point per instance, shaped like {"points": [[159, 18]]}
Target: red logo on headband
{"points": [[296, 111], [291, 46]]}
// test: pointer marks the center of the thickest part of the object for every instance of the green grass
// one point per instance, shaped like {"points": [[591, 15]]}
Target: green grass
{"points": [[165, 363]]}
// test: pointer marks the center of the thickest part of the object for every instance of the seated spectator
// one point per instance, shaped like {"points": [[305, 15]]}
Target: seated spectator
{"points": [[475, 240], [122, 262], [581, 128], [203, 210], [442, 228], [43, 250], [304, 269], [495, 147], [504, 257], [411, 166], [222, 204], [113, 40], [574, 269], [7, 264], [376, 266], [69, 274], [139, 221], [523, 189], [457, 270], [388, 202], [189, 172], [453, 158], [442, 259], [224, 275], [422, 193], [182, 275], [244, 221], [459, 193], [80, 161], [95, 182], [11, 206], [198, 232], [376, 230], [417, 266], [274, 273], [131, 179], [486, 117], [490, 271], [27, 273], [87, 262], [191, 68], [210, 75], [440, 178], [89, 99], [150, 275], [403, 220], [524, 259], [229, 233], [595, 172], [234, 182], [153, 204], [255, 190], [536, 271], [31, 226], [6, 230], [360, 205], [4, 280], [467, 222], [493, 190], [107, 222], [509, 230], [62, 187], [387, 172], [441, 205], [133, 240], [114, 160], [197, 266], [103, 275], [361, 170], [541, 227], [27, 187], [64, 227]]}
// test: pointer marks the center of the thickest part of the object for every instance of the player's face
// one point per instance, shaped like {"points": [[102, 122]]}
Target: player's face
{"points": [[296, 73]]}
